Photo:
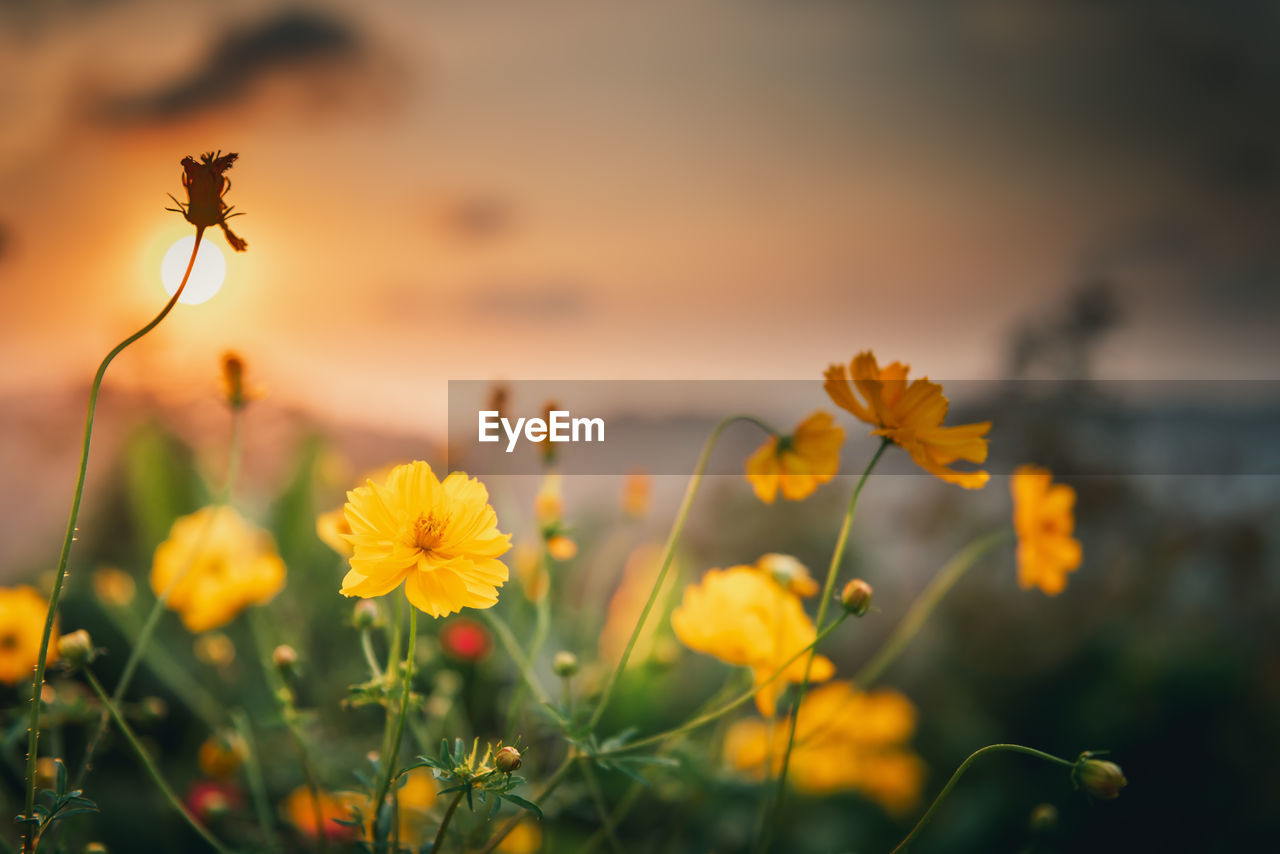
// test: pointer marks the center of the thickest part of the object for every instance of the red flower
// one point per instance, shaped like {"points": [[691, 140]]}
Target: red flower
{"points": [[209, 799], [465, 639]]}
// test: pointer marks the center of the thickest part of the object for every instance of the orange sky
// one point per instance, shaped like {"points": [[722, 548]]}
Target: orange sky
{"points": [[694, 190]]}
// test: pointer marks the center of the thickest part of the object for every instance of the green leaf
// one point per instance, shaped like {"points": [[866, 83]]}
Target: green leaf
{"points": [[521, 802]]}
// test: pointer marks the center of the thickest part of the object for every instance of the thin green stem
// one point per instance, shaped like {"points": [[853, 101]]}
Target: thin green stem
{"points": [[541, 628], [289, 714], [597, 797], [141, 643], [668, 553], [257, 785], [512, 646], [366, 644], [557, 777], [828, 589], [150, 766], [60, 576], [389, 758], [444, 823], [740, 700], [924, 605], [964, 766]]}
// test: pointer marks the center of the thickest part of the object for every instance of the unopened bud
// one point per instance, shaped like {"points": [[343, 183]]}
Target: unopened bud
{"points": [[76, 648], [284, 657], [366, 614], [1097, 777], [565, 664], [1044, 818], [856, 597], [507, 759]]}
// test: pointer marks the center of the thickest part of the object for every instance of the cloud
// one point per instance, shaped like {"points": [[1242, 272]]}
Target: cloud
{"points": [[241, 58], [528, 301]]}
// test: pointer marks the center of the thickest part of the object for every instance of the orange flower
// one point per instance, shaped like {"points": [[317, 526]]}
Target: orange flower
{"points": [[910, 416], [222, 754], [797, 463], [845, 739], [300, 811], [1043, 518], [742, 616]]}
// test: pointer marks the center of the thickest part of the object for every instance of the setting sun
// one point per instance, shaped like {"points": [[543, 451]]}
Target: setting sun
{"points": [[206, 277]]}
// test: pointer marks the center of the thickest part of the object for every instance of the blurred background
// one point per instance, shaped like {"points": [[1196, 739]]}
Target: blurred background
{"points": [[987, 190]]}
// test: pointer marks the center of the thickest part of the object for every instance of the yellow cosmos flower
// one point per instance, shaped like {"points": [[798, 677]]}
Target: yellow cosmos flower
{"points": [[333, 530], [440, 538], [214, 565], [798, 463], [845, 740], [22, 615], [524, 838], [911, 416], [742, 616], [1043, 517]]}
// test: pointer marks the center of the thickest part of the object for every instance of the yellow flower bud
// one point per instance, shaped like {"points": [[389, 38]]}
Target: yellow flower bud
{"points": [[856, 597], [508, 759], [565, 664], [76, 648], [1097, 777]]}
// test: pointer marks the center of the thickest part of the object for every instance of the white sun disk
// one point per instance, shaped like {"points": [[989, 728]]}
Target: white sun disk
{"points": [[206, 276]]}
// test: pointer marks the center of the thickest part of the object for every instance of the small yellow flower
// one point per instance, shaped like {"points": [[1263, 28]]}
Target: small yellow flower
{"points": [[440, 538], [845, 739], [531, 571], [1043, 518], [524, 838], [548, 504], [333, 530], [561, 547], [22, 615], [911, 416], [789, 572], [214, 565], [216, 649], [114, 587], [222, 754], [798, 463], [742, 616]]}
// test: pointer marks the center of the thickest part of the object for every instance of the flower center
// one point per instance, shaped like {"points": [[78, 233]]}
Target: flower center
{"points": [[428, 531], [8, 642]]}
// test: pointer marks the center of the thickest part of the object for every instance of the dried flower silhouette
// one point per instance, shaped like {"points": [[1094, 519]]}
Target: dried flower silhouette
{"points": [[440, 538], [1044, 519], [206, 186], [910, 416]]}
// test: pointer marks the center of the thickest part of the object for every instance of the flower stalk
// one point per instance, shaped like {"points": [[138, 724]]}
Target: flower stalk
{"points": [[60, 576]]}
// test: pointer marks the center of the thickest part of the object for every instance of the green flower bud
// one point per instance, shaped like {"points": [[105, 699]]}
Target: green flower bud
{"points": [[508, 759], [565, 664], [1098, 778], [76, 648], [856, 597]]}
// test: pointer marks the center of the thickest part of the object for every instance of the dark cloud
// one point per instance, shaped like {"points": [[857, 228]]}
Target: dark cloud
{"points": [[288, 40]]}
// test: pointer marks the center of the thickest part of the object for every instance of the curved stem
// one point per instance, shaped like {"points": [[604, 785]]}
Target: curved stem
{"points": [[828, 589], [389, 759], [60, 576], [964, 766], [602, 809], [668, 552], [147, 763], [141, 643], [512, 646], [951, 572], [444, 823]]}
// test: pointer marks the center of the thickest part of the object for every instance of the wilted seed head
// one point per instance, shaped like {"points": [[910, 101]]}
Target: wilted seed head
{"points": [[76, 648], [206, 185], [1097, 777], [366, 614], [856, 597], [507, 759], [284, 657], [565, 664]]}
